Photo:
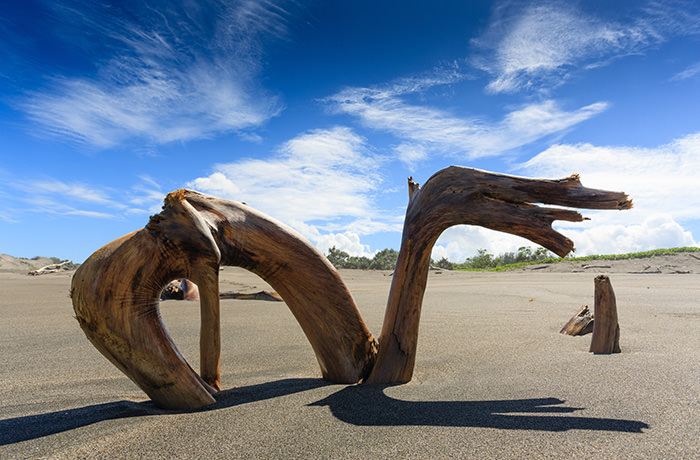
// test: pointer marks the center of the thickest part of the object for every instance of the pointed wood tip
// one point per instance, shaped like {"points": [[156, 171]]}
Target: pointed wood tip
{"points": [[626, 203], [412, 187]]}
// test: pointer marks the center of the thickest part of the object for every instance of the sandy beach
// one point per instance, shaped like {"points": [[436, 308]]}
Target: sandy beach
{"points": [[493, 379]]}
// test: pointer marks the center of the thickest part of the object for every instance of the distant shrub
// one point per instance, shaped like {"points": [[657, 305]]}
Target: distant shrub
{"points": [[382, 260]]}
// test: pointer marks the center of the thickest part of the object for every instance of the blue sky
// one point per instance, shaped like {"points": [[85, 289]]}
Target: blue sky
{"points": [[317, 112]]}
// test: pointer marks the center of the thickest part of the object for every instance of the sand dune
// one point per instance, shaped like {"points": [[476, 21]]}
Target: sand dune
{"points": [[682, 263]]}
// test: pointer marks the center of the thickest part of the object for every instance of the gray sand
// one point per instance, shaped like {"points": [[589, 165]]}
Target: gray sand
{"points": [[494, 378]]}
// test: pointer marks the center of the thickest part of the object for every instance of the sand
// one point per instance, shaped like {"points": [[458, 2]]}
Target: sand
{"points": [[493, 379]]}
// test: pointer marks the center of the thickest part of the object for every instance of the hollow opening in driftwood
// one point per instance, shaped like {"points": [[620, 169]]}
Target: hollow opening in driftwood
{"points": [[181, 320], [470, 239], [249, 317]]}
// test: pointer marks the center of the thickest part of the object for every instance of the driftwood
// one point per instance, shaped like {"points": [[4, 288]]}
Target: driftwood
{"points": [[53, 268], [271, 296], [606, 330], [579, 324], [115, 292]]}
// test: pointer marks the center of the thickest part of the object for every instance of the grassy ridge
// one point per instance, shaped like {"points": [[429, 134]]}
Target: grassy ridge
{"points": [[554, 260]]}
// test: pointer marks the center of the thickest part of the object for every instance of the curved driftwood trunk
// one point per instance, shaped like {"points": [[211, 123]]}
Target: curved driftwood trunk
{"points": [[455, 196], [115, 295], [115, 292]]}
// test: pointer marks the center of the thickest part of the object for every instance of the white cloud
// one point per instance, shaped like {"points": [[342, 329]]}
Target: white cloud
{"points": [[177, 72], [411, 153], [319, 179], [535, 46], [145, 197], [462, 241], [346, 241], [654, 232], [662, 181], [78, 192], [424, 129], [52, 196]]}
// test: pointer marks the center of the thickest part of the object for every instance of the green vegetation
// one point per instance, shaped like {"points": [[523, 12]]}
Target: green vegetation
{"points": [[483, 255], [485, 261], [383, 260], [386, 259]]}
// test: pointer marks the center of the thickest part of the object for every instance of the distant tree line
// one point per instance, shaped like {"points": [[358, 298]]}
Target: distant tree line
{"points": [[483, 259], [386, 259], [382, 260]]}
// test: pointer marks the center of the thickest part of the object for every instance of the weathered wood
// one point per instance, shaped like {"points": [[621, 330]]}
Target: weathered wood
{"points": [[115, 292], [300, 274], [115, 295], [457, 195], [606, 330], [579, 324], [271, 296], [53, 268]]}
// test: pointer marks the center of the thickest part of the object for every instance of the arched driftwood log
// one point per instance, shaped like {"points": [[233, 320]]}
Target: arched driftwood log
{"points": [[115, 292]]}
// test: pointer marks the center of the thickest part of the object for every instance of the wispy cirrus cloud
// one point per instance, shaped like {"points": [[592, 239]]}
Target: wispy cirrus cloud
{"points": [[174, 72], [53, 196], [425, 130], [536, 46], [319, 182], [692, 71]]}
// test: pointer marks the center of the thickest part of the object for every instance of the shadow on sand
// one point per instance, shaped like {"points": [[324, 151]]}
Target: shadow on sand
{"points": [[367, 405], [362, 405]]}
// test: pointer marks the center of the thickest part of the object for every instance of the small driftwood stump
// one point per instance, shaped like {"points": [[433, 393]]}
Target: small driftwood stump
{"points": [[115, 291], [606, 330], [579, 324]]}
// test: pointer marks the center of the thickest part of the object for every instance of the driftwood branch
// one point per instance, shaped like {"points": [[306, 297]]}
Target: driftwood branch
{"points": [[271, 296], [579, 324], [115, 292]]}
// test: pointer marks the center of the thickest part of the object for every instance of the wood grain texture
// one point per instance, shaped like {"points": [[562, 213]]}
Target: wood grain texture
{"points": [[606, 330], [457, 195], [115, 292]]}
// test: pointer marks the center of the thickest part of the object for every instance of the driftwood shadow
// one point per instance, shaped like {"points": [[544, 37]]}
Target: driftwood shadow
{"points": [[29, 427], [367, 405], [362, 405]]}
